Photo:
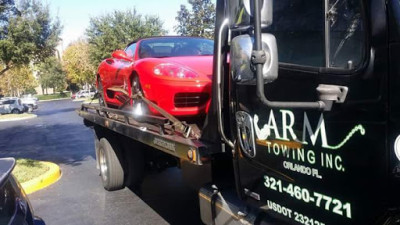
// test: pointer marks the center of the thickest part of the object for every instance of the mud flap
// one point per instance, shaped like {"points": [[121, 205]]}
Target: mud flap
{"points": [[223, 207]]}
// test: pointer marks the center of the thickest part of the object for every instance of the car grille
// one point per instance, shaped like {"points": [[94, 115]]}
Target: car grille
{"points": [[190, 99]]}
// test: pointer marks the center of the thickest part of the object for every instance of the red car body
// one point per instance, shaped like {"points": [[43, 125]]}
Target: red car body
{"points": [[173, 72]]}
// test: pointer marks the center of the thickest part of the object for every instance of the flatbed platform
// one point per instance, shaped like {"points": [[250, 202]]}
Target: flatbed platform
{"points": [[154, 131]]}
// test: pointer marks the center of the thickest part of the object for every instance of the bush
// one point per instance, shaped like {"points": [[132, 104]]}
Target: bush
{"points": [[30, 91], [54, 96]]}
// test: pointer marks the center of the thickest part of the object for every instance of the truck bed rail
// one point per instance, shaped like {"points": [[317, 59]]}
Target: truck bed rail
{"points": [[157, 132]]}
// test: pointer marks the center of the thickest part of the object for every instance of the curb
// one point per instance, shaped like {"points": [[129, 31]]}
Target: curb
{"points": [[43, 180], [79, 100], [56, 99], [21, 118]]}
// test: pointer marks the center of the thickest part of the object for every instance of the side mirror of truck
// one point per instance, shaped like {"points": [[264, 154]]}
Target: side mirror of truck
{"points": [[242, 68]]}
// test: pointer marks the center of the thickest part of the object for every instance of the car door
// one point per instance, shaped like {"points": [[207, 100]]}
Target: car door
{"points": [[2, 107], [116, 78], [307, 166], [7, 106]]}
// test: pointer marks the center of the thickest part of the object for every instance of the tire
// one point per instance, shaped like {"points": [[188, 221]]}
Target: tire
{"points": [[96, 150], [101, 93], [139, 107], [111, 171], [15, 111]]}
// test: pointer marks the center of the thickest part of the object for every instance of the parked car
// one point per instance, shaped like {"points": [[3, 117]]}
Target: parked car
{"points": [[15, 207], [30, 101], [173, 72], [11, 105], [83, 94]]}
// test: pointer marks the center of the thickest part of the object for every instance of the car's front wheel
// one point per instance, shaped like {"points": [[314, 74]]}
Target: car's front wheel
{"points": [[100, 92], [15, 111], [138, 105]]}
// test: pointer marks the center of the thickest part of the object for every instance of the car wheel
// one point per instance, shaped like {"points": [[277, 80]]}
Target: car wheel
{"points": [[30, 108], [15, 111], [100, 93], [139, 107], [111, 171]]}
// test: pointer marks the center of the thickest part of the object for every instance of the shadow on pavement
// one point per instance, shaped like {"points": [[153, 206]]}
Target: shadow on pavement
{"points": [[167, 194], [68, 144], [54, 111]]}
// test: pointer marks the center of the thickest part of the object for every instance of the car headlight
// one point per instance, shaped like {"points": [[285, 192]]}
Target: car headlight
{"points": [[173, 70]]}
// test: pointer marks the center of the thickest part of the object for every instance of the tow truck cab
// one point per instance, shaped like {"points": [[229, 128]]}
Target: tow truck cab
{"points": [[317, 135]]}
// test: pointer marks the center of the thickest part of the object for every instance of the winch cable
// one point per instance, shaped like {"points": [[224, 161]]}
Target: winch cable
{"points": [[182, 127]]}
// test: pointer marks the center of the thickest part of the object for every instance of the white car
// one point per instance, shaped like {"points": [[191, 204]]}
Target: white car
{"points": [[11, 105], [30, 101], [84, 94]]}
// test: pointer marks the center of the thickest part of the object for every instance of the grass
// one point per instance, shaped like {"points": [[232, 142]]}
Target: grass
{"points": [[13, 116], [54, 96], [27, 169], [89, 100]]}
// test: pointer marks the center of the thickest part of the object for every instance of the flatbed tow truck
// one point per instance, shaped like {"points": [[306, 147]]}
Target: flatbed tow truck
{"points": [[318, 144]]}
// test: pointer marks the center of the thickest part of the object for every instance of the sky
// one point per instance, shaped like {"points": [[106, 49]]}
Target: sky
{"points": [[75, 14]]}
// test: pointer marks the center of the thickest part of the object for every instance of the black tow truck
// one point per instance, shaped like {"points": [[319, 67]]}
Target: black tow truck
{"points": [[304, 123]]}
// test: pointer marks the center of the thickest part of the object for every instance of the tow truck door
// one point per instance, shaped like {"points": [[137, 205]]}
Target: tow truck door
{"points": [[307, 166]]}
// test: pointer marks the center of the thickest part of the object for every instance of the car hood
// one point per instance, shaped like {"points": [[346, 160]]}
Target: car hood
{"points": [[200, 64]]}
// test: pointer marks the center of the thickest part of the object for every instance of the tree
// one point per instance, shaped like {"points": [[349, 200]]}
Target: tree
{"points": [[197, 22], [17, 81], [7, 9], [51, 74], [77, 65], [115, 30], [29, 35]]}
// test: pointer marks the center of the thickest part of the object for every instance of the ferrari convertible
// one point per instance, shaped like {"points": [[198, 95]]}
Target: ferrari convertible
{"points": [[172, 72]]}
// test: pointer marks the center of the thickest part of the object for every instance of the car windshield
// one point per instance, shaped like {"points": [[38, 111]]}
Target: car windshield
{"points": [[175, 47], [8, 102]]}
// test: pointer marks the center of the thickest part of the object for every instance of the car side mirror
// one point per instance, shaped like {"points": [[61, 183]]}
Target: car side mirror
{"points": [[120, 54], [242, 68]]}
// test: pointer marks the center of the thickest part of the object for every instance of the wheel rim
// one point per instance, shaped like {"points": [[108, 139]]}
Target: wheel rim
{"points": [[103, 165], [101, 93], [138, 109], [135, 86], [137, 104]]}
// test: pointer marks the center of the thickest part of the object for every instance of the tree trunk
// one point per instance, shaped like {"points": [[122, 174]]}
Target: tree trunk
{"points": [[4, 70]]}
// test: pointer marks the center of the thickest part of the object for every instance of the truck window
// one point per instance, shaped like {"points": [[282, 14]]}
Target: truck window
{"points": [[306, 38]]}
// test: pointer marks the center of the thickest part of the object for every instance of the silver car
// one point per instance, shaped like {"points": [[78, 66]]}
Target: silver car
{"points": [[84, 94], [11, 105], [29, 101]]}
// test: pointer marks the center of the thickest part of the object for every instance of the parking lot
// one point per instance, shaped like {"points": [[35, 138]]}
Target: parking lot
{"points": [[58, 135]]}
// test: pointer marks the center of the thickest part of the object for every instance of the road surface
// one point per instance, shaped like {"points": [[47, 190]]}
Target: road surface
{"points": [[58, 135]]}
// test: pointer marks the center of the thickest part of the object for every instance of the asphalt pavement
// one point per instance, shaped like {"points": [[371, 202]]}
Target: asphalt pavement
{"points": [[58, 135]]}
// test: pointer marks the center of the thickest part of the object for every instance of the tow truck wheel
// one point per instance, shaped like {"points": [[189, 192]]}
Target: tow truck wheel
{"points": [[111, 171]]}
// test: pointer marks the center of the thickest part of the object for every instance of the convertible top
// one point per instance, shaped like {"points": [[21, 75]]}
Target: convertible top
{"points": [[172, 36]]}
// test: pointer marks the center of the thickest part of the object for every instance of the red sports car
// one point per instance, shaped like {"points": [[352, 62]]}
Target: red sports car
{"points": [[173, 72]]}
